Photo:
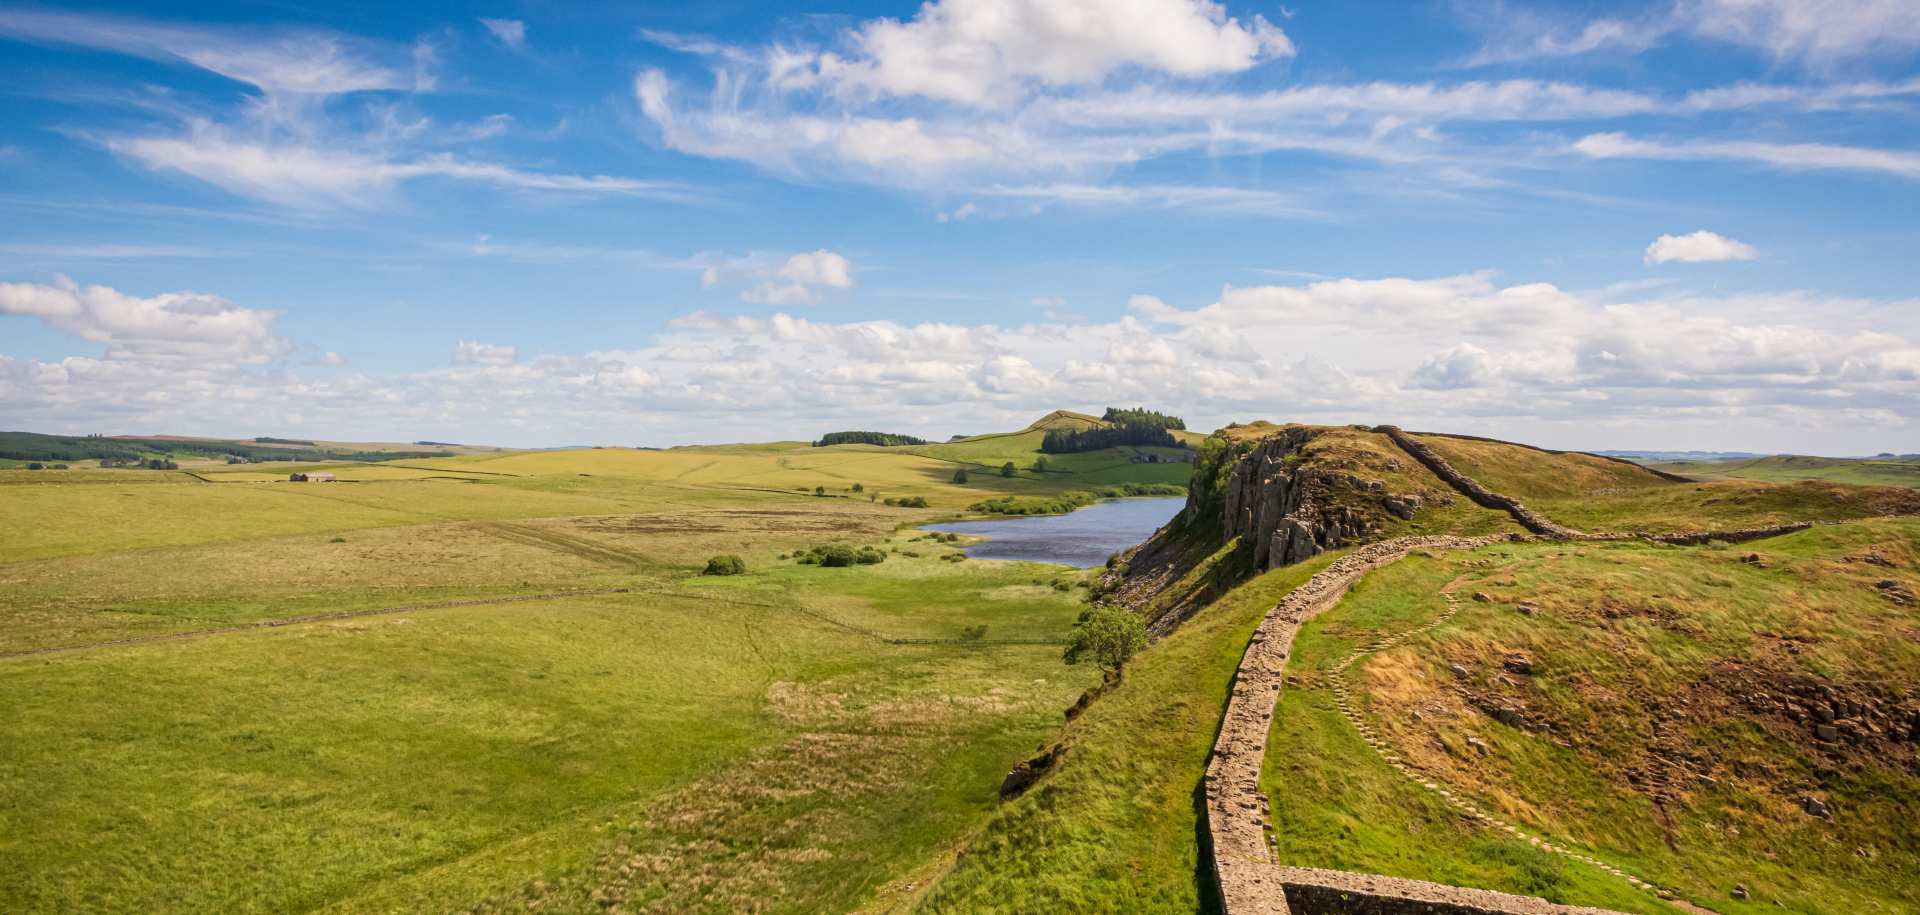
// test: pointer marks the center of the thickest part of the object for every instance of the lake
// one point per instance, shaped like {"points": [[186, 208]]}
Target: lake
{"points": [[1083, 538]]}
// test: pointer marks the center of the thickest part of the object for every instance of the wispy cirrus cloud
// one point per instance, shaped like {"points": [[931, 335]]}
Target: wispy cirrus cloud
{"points": [[1817, 34], [1789, 156]]}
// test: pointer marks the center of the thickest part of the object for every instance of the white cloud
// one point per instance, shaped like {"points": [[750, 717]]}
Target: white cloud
{"points": [[1460, 352], [174, 325], [1790, 156], [784, 109], [272, 60], [818, 268], [786, 280], [960, 214], [1698, 247], [473, 352], [316, 176], [980, 52], [510, 32], [1819, 33]]}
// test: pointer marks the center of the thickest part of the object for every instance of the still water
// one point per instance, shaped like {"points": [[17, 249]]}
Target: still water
{"points": [[1084, 538]]}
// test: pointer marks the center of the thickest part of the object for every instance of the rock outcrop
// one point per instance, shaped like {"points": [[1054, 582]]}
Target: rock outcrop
{"points": [[1291, 510]]}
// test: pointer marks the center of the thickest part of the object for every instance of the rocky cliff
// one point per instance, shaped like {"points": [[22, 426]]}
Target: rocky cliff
{"points": [[1282, 495]]}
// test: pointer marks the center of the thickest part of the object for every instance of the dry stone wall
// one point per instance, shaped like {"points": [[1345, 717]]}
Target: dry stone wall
{"points": [[1528, 518], [1237, 822]]}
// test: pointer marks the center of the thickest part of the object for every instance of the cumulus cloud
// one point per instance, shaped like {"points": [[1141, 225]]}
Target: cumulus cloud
{"points": [[174, 325], [981, 52], [793, 279], [1698, 248], [1463, 352]]}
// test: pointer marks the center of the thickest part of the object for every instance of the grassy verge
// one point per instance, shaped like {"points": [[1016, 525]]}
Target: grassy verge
{"points": [[1116, 827]]}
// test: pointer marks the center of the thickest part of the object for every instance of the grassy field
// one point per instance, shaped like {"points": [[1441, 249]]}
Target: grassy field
{"points": [[682, 744], [1786, 468], [1596, 494], [1642, 735]]}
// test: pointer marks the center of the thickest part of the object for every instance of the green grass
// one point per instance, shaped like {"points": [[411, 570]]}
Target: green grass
{"points": [[437, 757], [1787, 468], [1115, 827], [1624, 635], [514, 755], [1596, 494]]}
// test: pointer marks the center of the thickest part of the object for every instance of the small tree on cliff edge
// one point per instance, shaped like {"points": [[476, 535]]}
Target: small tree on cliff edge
{"points": [[1108, 636]]}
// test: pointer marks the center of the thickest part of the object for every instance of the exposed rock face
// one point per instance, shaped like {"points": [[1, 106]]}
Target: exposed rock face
{"points": [[1292, 510]]}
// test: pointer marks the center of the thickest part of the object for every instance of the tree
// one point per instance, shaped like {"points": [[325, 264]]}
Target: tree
{"points": [[858, 488], [1039, 465], [36, 465], [1107, 636], [960, 476], [725, 565], [1007, 469], [819, 490]]}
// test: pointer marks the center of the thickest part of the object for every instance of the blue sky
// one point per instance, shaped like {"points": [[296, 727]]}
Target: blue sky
{"points": [[1680, 224]]}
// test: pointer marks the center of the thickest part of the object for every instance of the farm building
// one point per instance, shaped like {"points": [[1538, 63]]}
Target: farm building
{"points": [[311, 478]]}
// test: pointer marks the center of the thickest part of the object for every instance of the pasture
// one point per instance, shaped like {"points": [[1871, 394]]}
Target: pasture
{"points": [[497, 682]]}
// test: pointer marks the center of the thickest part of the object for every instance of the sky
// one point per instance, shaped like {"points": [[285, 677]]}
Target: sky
{"points": [[1678, 224]]}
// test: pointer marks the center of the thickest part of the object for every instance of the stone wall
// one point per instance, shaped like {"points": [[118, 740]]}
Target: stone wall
{"points": [[1237, 822], [1528, 518]]}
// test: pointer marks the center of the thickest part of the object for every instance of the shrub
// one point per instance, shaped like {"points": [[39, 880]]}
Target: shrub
{"points": [[1007, 469], [1039, 465], [725, 565], [859, 488], [36, 465], [819, 490], [955, 557], [960, 476], [835, 556], [868, 556], [59, 466]]}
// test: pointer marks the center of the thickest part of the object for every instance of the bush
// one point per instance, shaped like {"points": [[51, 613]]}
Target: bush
{"points": [[868, 556], [909, 502], [36, 465], [725, 565], [59, 466], [835, 556], [1107, 636], [1007, 469], [819, 490], [859, 488], [973, 633], [1039, 465], [960, 476]]}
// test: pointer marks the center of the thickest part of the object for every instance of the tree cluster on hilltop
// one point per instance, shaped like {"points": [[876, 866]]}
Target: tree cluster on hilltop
{"points": [[1138, 427], [886, 439]]}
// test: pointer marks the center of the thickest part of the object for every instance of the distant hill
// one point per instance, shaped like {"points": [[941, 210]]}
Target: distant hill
{"points": [[1645, 456], [1784, 468]]}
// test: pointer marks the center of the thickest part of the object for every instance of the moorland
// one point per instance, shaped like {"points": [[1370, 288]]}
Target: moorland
{"points": [[470, 679]]}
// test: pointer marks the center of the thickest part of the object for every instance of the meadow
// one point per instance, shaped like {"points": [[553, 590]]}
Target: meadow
{"points": [[541, 704]]}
